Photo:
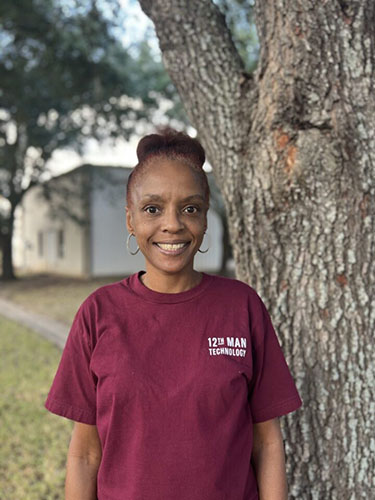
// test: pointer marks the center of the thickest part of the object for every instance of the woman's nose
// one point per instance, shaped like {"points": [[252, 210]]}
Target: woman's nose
{"points": [[172, 220]]}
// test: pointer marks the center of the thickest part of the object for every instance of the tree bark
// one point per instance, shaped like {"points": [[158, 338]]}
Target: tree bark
{"points": [[293, 152]]}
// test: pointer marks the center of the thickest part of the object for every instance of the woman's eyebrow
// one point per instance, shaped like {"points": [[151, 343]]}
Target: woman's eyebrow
{"points": [[157, 197]]}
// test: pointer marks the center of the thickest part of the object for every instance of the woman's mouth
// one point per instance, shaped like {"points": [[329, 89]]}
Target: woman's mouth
{"points": [[172, 249]]}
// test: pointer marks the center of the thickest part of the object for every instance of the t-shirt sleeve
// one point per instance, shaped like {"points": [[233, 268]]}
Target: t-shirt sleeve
{"points": [[272, 390], [73, 390]]}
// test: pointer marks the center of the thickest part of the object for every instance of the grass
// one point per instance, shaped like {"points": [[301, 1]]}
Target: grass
{"points": [[55, 296], [33, 441]]}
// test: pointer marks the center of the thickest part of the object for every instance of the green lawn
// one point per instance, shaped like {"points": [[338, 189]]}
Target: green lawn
{"points": [[33, 441], [58, 297]]}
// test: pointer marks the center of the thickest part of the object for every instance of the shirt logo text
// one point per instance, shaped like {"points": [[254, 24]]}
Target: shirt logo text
{"points": [[233, 346]]}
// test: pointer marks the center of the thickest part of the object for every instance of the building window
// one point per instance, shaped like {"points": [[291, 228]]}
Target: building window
{"points": [[60, 244], [40, 244]]}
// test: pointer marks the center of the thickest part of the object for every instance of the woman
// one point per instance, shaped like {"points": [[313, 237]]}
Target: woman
{"points": [[175, 378]]}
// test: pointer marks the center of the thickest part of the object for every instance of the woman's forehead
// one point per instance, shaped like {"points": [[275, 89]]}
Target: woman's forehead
{"points": [[165, 182], [170, 195]]}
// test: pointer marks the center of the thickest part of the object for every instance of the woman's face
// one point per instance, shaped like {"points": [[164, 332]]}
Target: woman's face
{"points": [[168, 206]]}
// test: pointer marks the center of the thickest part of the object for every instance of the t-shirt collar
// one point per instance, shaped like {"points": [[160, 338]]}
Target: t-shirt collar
{"points": [[140, 289]]}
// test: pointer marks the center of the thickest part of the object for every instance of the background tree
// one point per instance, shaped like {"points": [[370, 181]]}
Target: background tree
{"points": [[66, 76], [293, 153]]}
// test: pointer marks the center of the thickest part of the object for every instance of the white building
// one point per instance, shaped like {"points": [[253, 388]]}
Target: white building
{"points": [[81, 229]]}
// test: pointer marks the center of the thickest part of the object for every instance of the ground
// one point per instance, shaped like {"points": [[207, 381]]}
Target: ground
{"points": [[55, 296], [34, 442]]}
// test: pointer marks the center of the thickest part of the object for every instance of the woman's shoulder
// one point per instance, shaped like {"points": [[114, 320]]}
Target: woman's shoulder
{"points": [[231, 285], [103, 294]]}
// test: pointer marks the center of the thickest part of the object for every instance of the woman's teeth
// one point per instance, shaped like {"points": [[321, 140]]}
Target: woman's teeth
{"points": [[166, 246]]}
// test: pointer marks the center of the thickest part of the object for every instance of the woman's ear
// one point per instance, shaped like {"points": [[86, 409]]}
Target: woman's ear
{"points": [[129, 220]]}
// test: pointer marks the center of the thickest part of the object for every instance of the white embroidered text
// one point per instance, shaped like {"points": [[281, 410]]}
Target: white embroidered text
{"points": [[232, 346]]}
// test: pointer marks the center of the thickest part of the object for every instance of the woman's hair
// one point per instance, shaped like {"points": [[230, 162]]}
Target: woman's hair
{"points": [[172, 145]]}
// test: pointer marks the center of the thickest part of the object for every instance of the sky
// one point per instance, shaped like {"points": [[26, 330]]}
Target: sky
{"points": [[136, 23]]}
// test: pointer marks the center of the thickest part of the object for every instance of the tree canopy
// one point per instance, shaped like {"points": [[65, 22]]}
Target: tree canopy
{"points": [[66, 76]]}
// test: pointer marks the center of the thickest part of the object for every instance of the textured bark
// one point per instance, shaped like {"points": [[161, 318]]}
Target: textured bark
{"points": [[293, 151]]}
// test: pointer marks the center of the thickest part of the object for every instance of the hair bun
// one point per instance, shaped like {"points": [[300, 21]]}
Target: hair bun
{"points": [[147, 145], [170, 141]]}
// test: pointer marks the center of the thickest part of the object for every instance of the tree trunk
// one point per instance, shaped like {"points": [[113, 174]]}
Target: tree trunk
{"points": [[293, 151], [7, 263], [7, 250]]}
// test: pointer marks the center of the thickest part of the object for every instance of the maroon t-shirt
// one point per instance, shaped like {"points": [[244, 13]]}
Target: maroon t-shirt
{"points": [[174, 383]]}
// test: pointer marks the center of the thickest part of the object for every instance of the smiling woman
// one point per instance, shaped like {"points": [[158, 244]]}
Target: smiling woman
{"points": [[169, 231], [175, 378]]}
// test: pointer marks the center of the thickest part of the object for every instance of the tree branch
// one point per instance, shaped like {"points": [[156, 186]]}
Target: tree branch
{"points": [[199, 56]]}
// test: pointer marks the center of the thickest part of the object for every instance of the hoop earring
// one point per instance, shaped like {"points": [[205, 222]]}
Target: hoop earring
{"points": [[204, 251], [127, 244]]}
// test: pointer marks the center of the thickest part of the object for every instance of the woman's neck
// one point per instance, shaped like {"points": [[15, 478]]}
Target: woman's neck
{"points": [[171, 283]]}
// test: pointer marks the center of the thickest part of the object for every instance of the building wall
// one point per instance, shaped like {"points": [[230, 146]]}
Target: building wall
{"points": [[45, 243], [108, 225]]}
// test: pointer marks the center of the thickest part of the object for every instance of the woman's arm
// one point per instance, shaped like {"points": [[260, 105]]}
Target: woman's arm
{"points": [[269, 460], [83, 461]]}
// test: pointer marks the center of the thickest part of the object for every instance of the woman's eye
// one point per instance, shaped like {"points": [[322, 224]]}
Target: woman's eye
{"points": [[194, 208], [152, 207]]}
